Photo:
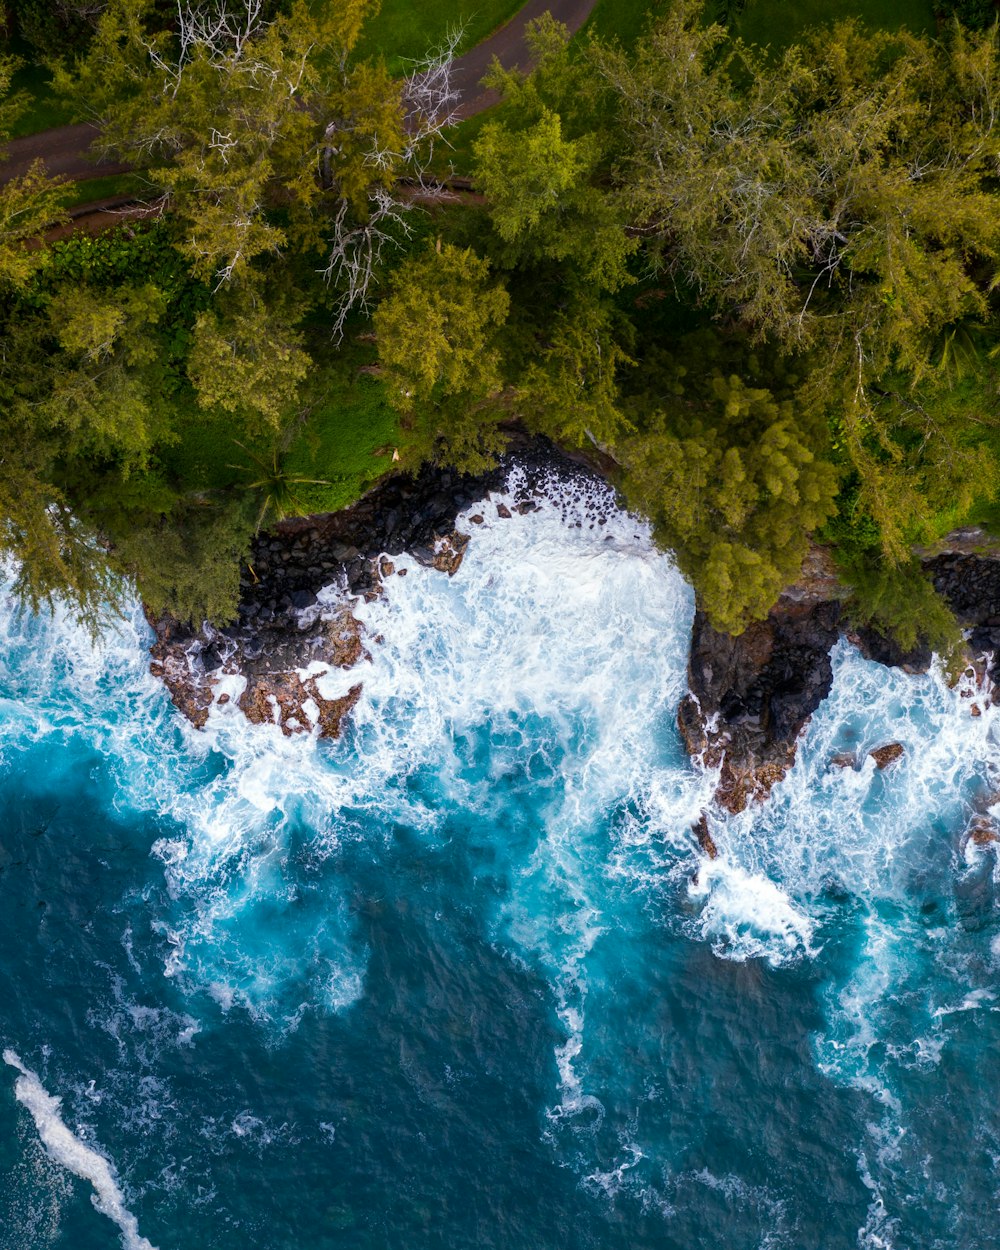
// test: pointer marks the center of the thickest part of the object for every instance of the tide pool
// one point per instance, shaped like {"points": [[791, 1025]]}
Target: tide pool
{"points": [[464, 979]]}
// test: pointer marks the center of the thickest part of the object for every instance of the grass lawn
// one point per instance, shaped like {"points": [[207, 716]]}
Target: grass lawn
{"points": [[779, 23], [349, 422], [405, 29]]}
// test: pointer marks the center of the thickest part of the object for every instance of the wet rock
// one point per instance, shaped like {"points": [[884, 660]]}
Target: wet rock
{"points": [[702, 832], [176, 660], [300, 599], [844, 759], [751, 696], [275, 638], [449, 552], [888, 754], [477, 519], [887, 651], [503, 511], [981, 831], [282, 699]]}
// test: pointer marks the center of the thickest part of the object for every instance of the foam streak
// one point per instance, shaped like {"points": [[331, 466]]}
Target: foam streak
{"points": [[69, 1151]]}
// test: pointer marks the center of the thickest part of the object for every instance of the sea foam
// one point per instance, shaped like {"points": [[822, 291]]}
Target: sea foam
{"points": [[73, 1154]]}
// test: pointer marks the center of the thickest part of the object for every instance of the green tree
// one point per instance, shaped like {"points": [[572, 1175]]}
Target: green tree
{"points": [[567, 387], [30, 202], [246, 354], [840, 199], [731, 470], [439, 348], [543, 166]]}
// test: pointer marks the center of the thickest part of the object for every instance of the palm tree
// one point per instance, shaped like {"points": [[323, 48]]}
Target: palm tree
{"points": [[276, 485]]}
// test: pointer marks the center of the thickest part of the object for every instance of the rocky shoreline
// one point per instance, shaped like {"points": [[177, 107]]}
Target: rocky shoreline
{"points": [[295, 622], [749, 698]]}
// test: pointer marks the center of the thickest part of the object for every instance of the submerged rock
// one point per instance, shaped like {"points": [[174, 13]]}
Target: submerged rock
{"points": [[981, 831]]}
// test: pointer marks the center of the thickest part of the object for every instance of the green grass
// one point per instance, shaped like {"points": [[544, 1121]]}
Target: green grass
{"points": [[775, 22], [345, 431], [778, 23], [405, 29], [90, 190], [45, 110], [349, 421], [623, 19]]}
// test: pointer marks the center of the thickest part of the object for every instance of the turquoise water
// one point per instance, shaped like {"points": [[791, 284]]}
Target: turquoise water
{"points": [[463, 979]]}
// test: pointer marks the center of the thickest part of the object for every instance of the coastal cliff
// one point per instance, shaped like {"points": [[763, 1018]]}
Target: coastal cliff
{"points": [[283, 660]]}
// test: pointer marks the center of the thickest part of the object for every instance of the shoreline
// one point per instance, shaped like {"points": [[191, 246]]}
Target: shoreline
{"points": [[749, 698]]}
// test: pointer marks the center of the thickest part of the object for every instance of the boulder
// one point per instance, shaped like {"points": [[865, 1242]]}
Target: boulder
{"points": [[451, 552], [702, 832], [888, 754]]}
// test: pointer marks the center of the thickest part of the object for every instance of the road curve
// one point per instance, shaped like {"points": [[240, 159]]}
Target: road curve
{"points": [[68, 150], [508, 46]]}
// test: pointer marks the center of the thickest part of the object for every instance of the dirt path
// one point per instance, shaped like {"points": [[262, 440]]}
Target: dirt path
{"points": [[68, 150]]}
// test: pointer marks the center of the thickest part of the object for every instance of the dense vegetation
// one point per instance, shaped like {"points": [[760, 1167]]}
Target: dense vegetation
{"points": [[760, 281]]}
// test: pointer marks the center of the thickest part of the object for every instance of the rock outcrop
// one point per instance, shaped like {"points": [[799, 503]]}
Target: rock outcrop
{"points": [[276, 660], [887, 755], [751, 696]]}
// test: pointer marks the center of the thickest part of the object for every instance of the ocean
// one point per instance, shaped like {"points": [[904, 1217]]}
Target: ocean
{"points": [[464, 978]]}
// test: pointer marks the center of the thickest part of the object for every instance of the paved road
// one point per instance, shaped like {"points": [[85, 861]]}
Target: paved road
{"points": [[67, 150], [508, 46]]}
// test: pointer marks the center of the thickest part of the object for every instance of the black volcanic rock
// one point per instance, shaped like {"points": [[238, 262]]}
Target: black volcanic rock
{"points": [[751, 696]]}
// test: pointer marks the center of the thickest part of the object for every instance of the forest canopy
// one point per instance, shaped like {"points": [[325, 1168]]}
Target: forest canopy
{"points": [[759, 284]]}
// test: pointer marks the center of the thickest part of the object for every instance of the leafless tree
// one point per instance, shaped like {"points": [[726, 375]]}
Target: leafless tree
{"points": [[430, 100]]}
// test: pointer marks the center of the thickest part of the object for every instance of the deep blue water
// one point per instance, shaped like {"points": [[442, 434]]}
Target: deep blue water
{"points": [[463, 979]]}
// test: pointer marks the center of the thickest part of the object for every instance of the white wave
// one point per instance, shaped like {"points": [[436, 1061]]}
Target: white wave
{"points": [[556, 655], [746, 915], [73, 1154]]}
